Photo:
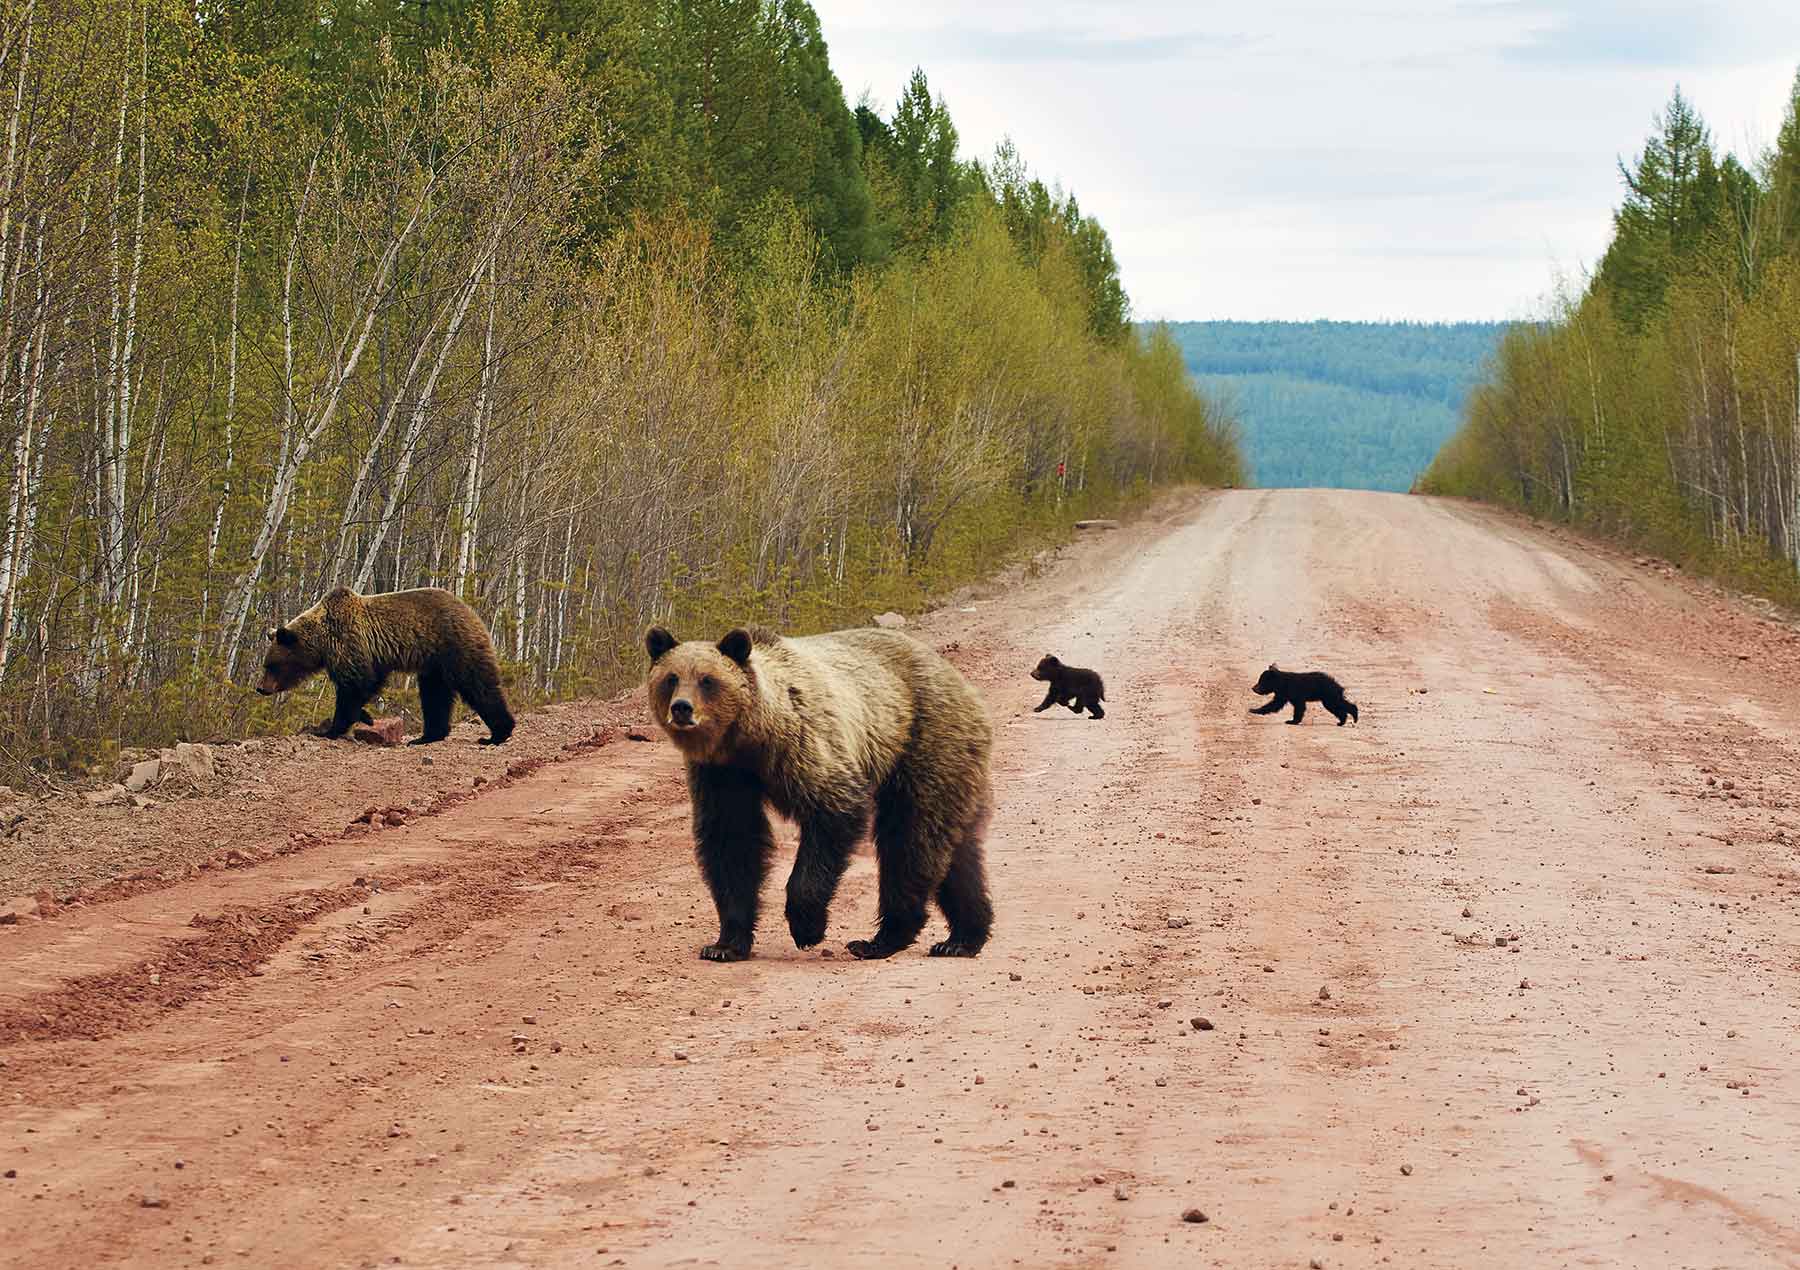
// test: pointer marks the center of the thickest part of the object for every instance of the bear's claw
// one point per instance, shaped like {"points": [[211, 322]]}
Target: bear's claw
{"points": [[955, 948]]}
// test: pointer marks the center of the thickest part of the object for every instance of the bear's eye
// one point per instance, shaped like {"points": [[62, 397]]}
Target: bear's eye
{"points": [[670, 682], [708, 683]]}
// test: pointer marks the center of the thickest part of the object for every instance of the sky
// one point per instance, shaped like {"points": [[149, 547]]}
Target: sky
{"points": [[1298, 159]]}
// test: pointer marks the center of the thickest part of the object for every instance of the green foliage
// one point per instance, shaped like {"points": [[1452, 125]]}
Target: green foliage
{"points": [[1359, 405], [1673, 199], [1661, 404], [596, 313]]}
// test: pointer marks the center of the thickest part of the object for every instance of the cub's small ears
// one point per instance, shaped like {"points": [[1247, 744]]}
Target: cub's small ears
{"points": [[283, 636], [1273, 666], [657, 641], [736, 645]]}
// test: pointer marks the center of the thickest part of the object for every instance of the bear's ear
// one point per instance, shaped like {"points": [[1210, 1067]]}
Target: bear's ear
{"points": [[657, 641], [1272, 666], [285, 637], [736, 646]]}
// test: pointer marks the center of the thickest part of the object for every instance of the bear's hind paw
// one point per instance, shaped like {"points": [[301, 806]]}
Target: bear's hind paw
{"points": [[724, 952]]}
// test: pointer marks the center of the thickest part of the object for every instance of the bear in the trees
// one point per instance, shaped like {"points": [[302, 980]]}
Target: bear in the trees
{"points": [[359, 640], [1070, 686], [1296, 688], [834, 732]]}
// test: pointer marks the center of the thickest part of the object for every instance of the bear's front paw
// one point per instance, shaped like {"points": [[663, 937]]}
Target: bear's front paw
{"points": [[806, 922], [955, 948], [724, 952]]}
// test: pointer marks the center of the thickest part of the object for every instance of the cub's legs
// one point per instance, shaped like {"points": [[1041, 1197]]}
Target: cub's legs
{"points": [[1093, 708], [1050, 699], [1299, 712], [732, 839], [1339, 706], [826, 840], [1270, 707], [435, 700]]}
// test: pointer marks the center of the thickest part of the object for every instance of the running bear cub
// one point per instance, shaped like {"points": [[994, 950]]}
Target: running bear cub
{"points": [[1296, 688], [835, 732], [1077, 689], [359, 640]]}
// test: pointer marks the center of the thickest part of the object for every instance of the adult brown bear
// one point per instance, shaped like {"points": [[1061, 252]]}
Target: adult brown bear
{"points": [[359, 640], [831, 731]]}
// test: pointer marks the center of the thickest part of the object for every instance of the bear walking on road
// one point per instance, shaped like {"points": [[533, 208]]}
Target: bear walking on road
{"points": [[834, 732], [1296, 688], [1070, 686], [359, 640]]}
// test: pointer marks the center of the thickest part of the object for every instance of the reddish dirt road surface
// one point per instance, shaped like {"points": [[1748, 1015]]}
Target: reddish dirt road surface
{"points": [[1505, 975]]}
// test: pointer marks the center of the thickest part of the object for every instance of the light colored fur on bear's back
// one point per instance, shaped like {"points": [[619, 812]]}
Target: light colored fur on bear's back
{"points": [[840, 710], [398, 630]]}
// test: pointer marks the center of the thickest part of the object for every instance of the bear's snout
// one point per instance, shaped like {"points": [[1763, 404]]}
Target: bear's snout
{"points": [[681, 712]]}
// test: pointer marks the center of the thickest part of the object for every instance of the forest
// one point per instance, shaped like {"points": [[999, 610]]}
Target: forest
{"points": [[1659, 402], [1355, 405], [595, 312]]}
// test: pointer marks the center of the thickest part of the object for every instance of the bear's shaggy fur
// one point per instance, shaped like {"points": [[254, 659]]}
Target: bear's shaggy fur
{"points": [[833, 731], [359, 640], [1299, 687], [1070, 686]]}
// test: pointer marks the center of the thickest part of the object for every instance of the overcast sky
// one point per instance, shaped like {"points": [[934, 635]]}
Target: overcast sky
{"points": [[1329, 158]]}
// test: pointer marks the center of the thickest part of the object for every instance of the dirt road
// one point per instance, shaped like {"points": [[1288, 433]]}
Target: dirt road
{"points": [[1505, 975]]}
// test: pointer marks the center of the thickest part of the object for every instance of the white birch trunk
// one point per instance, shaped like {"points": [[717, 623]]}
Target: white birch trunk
{"points": [[471, 509]]}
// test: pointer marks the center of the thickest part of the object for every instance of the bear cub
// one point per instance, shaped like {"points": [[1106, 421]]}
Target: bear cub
{"points": [[1070, 686], [1296, 688], [359, 640]]}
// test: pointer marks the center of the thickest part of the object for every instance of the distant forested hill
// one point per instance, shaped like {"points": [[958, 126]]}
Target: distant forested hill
{"points": [[1358, 405]]}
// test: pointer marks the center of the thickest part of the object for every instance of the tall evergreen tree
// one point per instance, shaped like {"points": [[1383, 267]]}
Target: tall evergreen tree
{"points": [[1672, 198], [930, 179]]}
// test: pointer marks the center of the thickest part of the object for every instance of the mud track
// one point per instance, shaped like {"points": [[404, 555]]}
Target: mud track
{"points": [[1504, 975]]}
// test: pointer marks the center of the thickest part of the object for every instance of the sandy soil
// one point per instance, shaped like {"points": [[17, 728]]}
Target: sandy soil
{"points": [[1504, 975]]}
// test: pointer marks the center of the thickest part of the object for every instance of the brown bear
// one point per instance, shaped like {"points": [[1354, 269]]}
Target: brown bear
{"points": [[359, 640], [833, 731]]}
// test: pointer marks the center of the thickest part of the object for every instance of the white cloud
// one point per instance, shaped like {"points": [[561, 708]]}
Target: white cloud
{"points": [[1304, 158]]}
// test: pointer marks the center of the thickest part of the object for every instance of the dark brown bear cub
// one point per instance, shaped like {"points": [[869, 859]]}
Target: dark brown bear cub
{"points": [[1296, 688], [834, 732], [1069, 686], [359, 640]]}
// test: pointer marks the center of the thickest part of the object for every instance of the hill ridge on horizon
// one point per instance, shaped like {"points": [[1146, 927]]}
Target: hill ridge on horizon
{"points": [[1342, 403]]}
